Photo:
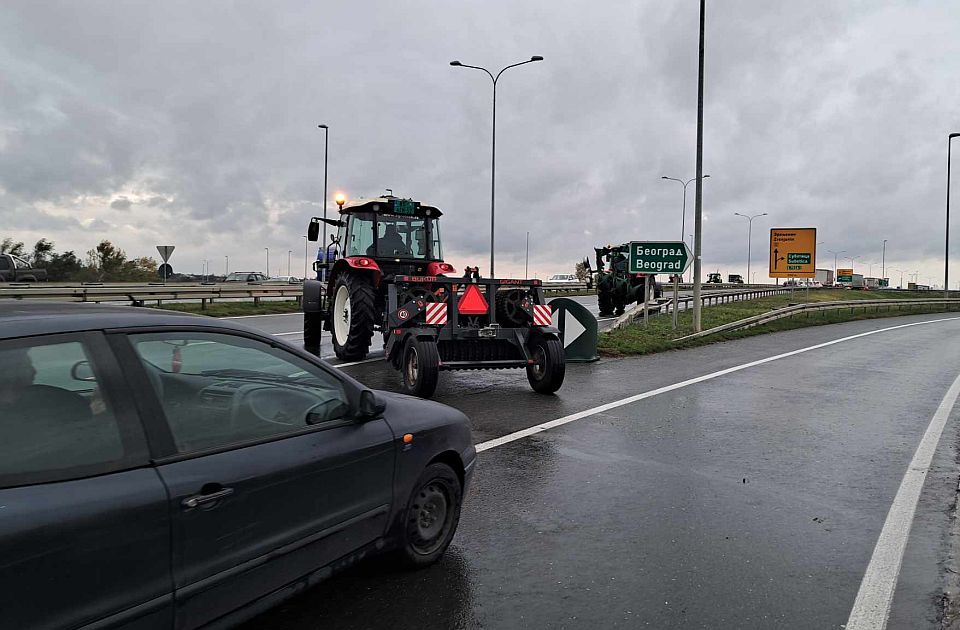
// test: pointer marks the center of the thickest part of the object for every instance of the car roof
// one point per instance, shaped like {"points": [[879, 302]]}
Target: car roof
{"points": [[24, 318]]}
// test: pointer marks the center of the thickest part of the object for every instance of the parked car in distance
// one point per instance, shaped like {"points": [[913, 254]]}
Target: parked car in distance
{"points": [[246, 276], [163, 470], [562, 277], [285, 280], [14, 269]]}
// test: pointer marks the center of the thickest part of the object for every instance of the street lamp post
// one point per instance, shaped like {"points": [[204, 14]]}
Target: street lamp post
{"points": [[289, 254], [698, 210], [883, 260], [226, 266], [493, 147], [326, 143], [526, 261], [267, 249], [683, 214], [946, 245], [749, 236], [306, 254]]}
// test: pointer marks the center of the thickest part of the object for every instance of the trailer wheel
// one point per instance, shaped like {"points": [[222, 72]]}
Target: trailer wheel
{"points": [[312, 330], [549, 365], [352, 316], [420, 367]]}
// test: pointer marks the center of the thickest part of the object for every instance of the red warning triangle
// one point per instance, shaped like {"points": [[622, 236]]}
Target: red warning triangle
{"points": [[473, 302]]}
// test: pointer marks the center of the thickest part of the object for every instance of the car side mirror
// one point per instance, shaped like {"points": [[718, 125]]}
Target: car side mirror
{"points": [[370, 406], [313, 230], [81, 371], [328, 410]]}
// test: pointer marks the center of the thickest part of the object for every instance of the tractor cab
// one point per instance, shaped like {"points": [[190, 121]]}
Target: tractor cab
{"points": [[387, 235]]}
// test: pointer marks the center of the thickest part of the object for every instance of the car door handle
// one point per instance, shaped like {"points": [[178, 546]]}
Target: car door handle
{"points": [[203, 499]]}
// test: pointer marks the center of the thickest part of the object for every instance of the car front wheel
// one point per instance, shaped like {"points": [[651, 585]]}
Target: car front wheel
{"points": [[431, 517]]}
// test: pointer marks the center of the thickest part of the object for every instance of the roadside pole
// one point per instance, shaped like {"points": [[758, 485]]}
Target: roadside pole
{"points": [[676, 288], [698, 211], [646, 301]]}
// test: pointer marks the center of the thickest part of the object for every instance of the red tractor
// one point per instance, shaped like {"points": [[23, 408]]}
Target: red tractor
{"points": [[383, 272]]}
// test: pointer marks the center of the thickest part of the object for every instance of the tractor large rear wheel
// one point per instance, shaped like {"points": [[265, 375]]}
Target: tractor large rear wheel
{"points": [[352, 316]]}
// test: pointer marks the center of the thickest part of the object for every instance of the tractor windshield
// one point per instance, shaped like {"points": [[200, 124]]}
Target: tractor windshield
{"points": [[404, 237]]}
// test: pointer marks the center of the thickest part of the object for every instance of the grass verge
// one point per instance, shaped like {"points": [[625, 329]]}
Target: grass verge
{"points": [[233, 309], [659, 335]]}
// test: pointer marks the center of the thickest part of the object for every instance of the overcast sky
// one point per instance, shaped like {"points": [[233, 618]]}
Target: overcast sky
{"points": [[195, 124]]}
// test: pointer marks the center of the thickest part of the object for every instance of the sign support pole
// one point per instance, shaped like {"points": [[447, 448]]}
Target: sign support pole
{"points": [[646, 301], [676, 288]]}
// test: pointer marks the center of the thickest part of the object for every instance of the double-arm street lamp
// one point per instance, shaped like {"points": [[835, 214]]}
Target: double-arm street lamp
{"points": [[835, 254], [493, 151], [683, 213], [749, 235]]}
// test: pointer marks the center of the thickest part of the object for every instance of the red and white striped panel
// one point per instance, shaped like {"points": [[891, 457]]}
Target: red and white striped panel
{"points": [[436, 313], [541, 315]]}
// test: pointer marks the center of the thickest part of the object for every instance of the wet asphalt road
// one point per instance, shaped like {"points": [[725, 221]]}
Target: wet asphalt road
{"points": [[751, 500]]}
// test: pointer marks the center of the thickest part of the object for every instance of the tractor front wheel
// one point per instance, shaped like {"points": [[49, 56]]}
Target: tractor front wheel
{"points": [[352, 316], [312, 330]]}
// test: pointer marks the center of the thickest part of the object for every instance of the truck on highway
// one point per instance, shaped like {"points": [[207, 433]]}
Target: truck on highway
{"points": [[857, 281], [14, 269], [824, 277]]}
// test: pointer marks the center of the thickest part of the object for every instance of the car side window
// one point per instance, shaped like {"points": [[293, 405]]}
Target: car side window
{"points": [[4, 263], [56, 423], [219, 390]]}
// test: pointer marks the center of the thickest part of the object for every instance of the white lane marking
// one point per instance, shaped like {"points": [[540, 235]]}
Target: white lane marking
{"points": [[539, 428], [872, 606], [337, 365], [267, 315], [343, 365]]}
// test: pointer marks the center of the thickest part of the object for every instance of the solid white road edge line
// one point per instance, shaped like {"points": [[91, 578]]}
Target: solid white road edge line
{"points": [[539, 428], [872, 606]]}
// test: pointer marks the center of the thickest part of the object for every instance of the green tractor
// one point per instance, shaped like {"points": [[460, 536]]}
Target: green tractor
{"points": [[616, 286]]}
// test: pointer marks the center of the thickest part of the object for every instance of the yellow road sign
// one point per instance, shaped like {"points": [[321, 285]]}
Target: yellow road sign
{"points": [[793, 252]]}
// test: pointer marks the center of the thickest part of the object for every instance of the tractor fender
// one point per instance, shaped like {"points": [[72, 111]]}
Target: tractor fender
{"points": [[546, 332], [312, 290], [359, 263], [440, 268]]}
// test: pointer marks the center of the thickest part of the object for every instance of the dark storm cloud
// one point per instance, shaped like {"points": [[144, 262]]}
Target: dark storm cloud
{"points": [[203, 117]]}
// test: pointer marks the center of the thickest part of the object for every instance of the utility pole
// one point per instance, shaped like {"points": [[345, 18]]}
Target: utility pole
{"points": [[698, 213]]}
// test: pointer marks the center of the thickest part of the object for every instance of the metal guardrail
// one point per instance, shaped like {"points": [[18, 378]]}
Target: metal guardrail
{"points": [[138, 294], [665, 305], [790, 311]]}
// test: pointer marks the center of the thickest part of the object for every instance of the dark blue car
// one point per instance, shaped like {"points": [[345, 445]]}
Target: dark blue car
{"points": [[160, 470]]}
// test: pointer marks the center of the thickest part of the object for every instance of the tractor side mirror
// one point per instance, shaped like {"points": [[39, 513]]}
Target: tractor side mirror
{"points": [[313, 230]]}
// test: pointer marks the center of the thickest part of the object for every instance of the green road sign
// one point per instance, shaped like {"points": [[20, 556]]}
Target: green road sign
{"points": [[578, 330], [794, 258], [659, 257]]}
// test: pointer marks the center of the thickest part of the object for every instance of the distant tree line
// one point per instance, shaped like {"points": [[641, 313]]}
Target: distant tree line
{"points": [[104, 263]]}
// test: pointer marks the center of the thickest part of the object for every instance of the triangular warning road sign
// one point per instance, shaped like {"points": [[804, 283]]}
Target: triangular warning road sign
{"points": [[473, 302]]}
